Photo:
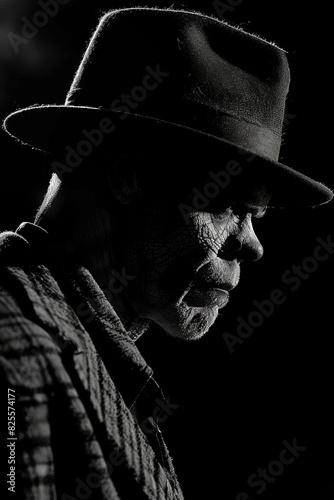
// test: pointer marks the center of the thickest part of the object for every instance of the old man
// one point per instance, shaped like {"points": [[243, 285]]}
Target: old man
{"points": [[165, 150]]}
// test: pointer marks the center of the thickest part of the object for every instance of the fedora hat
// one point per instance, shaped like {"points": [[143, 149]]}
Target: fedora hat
{"points": [[187, 75]]}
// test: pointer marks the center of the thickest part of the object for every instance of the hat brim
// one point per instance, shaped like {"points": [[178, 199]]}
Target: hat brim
{"points": [[35, 126]]}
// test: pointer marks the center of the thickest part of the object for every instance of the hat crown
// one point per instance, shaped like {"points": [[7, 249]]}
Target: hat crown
{"points": [[185, 82], [199, 72]]}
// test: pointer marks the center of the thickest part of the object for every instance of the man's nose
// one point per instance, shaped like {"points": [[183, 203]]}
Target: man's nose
{"points": [[243, 245]]}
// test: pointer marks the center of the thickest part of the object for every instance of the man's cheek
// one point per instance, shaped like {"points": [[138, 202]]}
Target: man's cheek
{"points": [[204, 237]]}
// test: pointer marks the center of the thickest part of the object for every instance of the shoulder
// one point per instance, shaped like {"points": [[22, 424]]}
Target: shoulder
{"points": [[13, 247], [29, 351], [25, 346]]}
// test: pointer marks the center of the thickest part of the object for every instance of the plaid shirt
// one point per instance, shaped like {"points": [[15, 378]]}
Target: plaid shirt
{"points": [[87, 406]]}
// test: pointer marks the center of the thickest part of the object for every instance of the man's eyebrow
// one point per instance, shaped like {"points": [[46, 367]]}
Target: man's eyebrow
{"points": [[255, 210]]}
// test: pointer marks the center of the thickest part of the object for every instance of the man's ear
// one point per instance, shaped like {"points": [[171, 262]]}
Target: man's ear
{"points": [[122, 177]]}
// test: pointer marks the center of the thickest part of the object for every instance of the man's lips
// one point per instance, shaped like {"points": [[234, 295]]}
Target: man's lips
{"points": [[208, 294], [225, 286], [209, 285]]}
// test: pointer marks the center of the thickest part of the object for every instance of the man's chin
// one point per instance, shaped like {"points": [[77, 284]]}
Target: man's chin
{"points": [[184, 322]]}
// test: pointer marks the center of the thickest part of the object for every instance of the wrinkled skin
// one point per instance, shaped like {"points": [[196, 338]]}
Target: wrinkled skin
{"points": [[184, 269], [180, 271]]}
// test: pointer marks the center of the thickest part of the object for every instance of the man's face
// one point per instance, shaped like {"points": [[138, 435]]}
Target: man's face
{"points": [[184, 269]]}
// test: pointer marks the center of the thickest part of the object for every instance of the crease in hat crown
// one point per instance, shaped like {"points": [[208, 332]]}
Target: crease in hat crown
{"points": [[226, 85]]}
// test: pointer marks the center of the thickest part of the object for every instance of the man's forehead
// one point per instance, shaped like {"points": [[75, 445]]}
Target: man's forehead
{"points": [[255, 197]]}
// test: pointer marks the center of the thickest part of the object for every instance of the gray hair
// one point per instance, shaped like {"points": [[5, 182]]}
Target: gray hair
{"points": [[52, 191]]}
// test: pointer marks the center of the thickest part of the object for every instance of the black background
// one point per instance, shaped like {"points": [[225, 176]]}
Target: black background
{"points": [[235, 409]]}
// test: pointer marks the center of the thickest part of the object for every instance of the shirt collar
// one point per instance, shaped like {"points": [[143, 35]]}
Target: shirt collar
{"points": [[130, 372]]}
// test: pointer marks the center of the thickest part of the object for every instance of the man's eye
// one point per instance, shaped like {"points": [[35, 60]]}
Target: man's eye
{"points": [[240, 215], [240, 212]]}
